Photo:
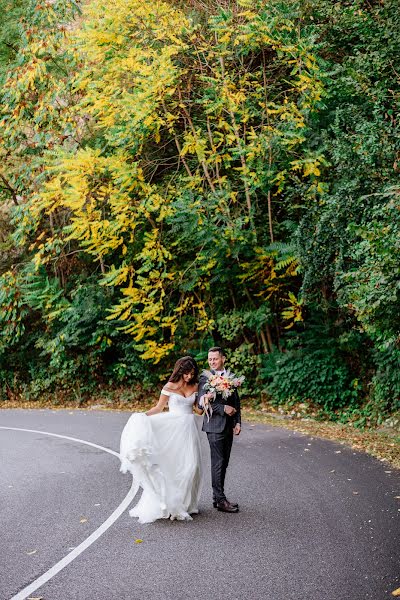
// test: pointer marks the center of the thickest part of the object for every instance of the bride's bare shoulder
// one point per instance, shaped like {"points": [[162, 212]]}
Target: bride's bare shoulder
{"points": [[170, 387]]}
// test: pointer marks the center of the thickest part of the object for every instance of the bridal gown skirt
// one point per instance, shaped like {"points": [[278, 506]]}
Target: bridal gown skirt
{"points": [[163, 454]]}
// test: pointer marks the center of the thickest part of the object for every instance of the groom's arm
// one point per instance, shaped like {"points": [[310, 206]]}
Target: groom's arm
{"points": [[223, 408]]}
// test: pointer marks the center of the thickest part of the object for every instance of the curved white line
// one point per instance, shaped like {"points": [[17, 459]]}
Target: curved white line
{"points": [[65, 437], [23, 594]]}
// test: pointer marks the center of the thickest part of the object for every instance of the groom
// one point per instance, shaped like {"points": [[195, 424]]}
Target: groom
{"points": [[223, 424]]}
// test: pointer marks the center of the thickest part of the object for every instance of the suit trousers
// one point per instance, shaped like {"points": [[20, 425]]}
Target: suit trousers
{"points": [[220, 449]]}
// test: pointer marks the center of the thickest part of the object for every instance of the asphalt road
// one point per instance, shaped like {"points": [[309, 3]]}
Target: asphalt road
{"points": [[318, 521]]}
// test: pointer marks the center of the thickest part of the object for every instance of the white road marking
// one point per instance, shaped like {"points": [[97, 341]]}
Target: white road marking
{"points": [[35, 585], [65, 437]]}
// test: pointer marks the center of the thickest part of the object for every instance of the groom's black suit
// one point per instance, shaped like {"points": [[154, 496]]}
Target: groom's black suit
{"points": [[219, 431]]}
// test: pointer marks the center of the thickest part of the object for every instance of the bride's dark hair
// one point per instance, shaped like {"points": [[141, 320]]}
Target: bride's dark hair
{"points": [[184, 365]]}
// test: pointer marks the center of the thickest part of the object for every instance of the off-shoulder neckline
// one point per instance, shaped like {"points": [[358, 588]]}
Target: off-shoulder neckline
{"points": [[177, 394]]}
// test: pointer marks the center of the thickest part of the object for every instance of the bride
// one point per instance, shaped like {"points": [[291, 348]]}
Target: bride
{"points": [[162, 450]]}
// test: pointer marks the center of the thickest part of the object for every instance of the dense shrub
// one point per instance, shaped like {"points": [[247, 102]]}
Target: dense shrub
{"points": [[176, 175]]}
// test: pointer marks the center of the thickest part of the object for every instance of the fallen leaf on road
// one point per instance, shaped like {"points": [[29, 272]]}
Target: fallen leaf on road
{"points": [[338, 452], [31, 552], [388, 471], [306, 449], [97, 504], [355, 493], [396, 592], [138, 541], [333, 471], [397, 497], [83, 520]]}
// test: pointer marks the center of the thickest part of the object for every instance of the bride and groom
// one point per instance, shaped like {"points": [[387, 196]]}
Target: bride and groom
{"points": [[162, 449]]}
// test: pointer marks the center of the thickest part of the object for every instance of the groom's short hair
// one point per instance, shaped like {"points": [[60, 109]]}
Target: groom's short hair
{"points": [[217, 349]]}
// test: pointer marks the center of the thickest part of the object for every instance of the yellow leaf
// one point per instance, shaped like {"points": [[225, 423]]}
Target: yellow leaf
{"points": [[83, 520], [396, 592], [138, 541]]}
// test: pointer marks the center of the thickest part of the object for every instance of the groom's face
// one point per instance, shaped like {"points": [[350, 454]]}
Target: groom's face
{"points": [[216, 361]]}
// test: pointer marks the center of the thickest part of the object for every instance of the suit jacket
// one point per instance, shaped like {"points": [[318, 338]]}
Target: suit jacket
{"points": [[219, 418]]}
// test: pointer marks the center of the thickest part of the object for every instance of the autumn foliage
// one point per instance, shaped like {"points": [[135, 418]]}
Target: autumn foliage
{"points": [[161, 165]]}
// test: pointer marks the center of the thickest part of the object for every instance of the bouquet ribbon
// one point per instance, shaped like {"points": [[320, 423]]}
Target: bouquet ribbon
{"points": [[208, 410]]}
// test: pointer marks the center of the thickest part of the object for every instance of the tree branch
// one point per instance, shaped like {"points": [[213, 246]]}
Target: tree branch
{"points": [[8, 187]]}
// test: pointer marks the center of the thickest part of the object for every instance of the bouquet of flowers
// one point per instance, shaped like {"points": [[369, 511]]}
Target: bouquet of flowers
{"points": [[219, 384]]}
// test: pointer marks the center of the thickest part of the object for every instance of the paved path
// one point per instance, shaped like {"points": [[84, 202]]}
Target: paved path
{"points": [[317, 522]]}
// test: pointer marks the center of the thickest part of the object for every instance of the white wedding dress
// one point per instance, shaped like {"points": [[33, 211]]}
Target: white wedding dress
{"points": [[163, 454]]}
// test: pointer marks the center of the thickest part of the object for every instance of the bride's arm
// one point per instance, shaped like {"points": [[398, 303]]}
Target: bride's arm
{"points": [[198, 409], [197, 406], [201, 395], [161, 404]]}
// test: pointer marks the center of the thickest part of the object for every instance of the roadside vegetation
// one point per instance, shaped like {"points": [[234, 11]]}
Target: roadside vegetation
{"points": [[175, 175]]}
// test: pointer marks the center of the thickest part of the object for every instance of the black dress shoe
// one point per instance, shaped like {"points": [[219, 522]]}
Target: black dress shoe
{"points": [[232, 503], [225, 506]]}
